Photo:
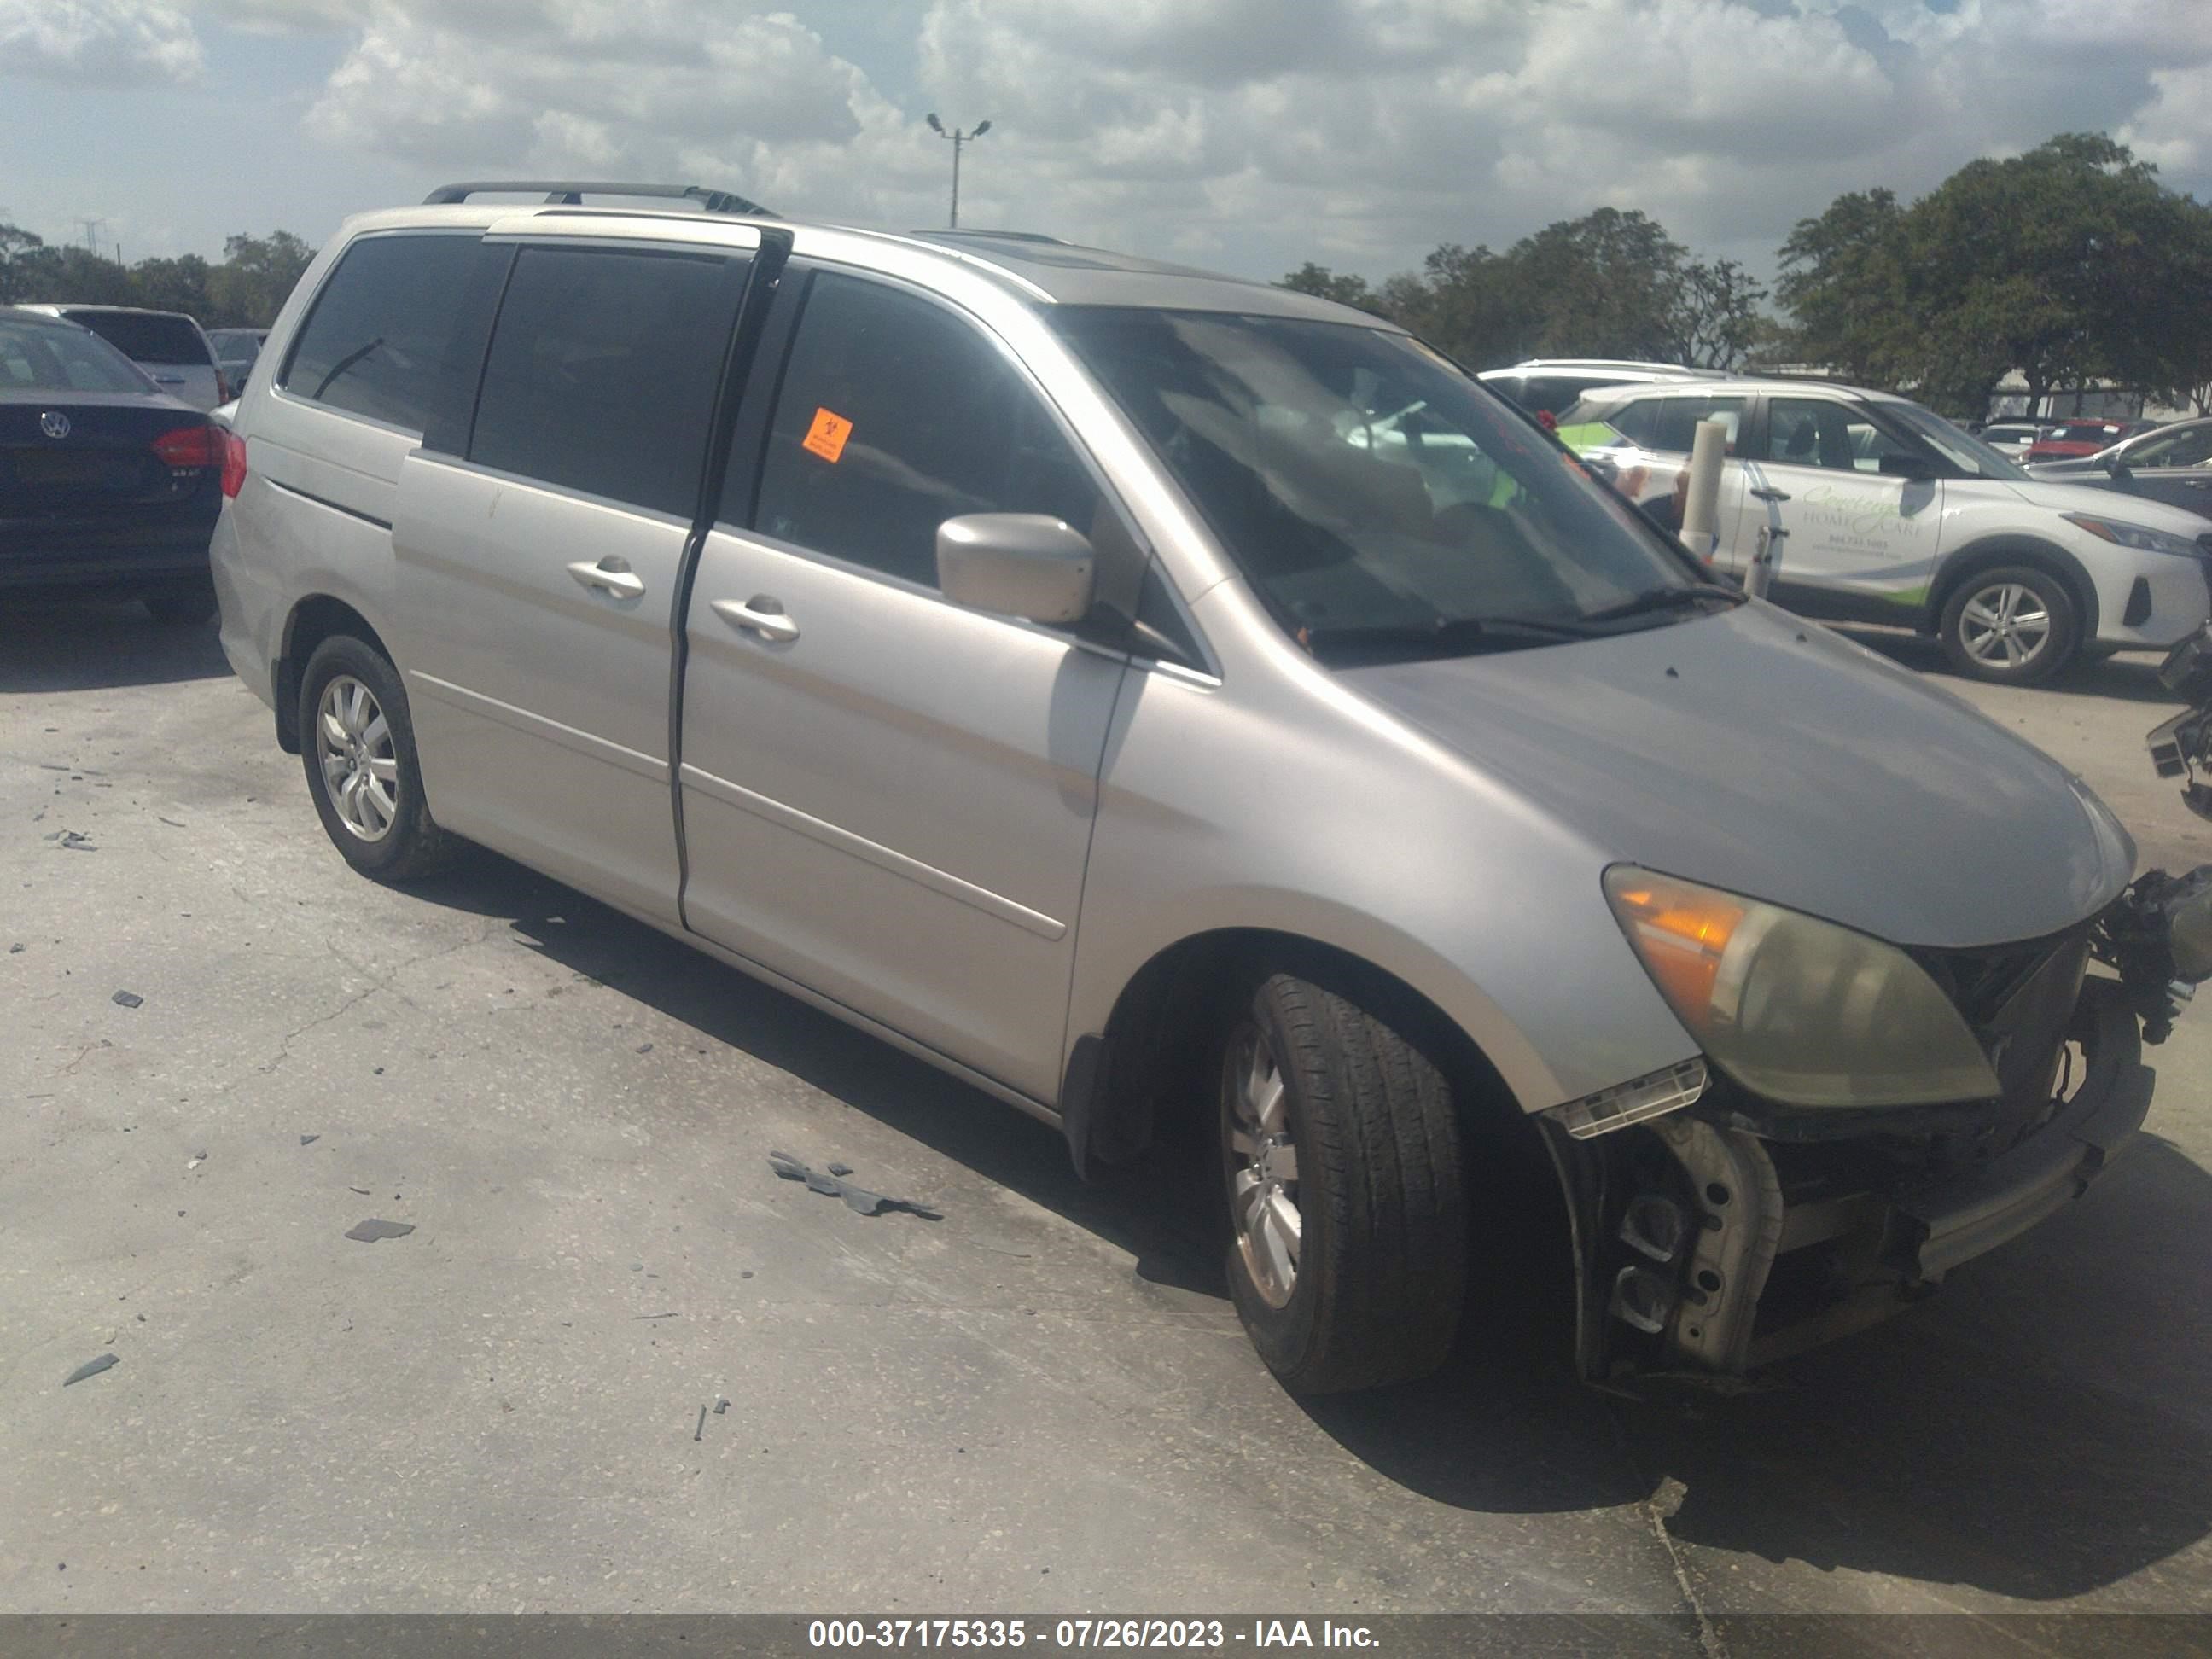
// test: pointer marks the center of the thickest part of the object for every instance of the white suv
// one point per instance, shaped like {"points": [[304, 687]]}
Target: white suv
{"points": [[1895, 515], [1552, 385]]}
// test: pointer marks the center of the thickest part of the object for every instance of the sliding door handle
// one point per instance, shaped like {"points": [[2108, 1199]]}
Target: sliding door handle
{"points": [[761, 614], [610, 575]]}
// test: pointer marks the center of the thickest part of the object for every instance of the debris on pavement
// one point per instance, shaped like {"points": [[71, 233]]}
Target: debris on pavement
{"points": [[658, 1316], [126, 1000], [93, 1368], [71, 841], [840, 1169], [720, 1405], [309, 1141], [363, 1191], [372, 1230], [858, 1199], [699, 1433]]}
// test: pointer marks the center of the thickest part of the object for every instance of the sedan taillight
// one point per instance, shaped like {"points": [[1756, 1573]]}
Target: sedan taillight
{"points": [[233, 461], [189, 445]]}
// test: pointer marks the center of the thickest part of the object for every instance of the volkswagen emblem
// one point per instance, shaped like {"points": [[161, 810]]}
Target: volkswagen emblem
{"points": [[54, 424]]}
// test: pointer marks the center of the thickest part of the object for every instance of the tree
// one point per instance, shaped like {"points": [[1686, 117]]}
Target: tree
{"points": [[1605, 285], [256, 275], [1842, 280], [1323, 284], [17, 246], [1716, 318], [180, 284]]}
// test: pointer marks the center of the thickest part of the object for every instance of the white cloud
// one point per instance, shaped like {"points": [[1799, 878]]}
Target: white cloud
{"points": [[97, 42], [1257, 133]]}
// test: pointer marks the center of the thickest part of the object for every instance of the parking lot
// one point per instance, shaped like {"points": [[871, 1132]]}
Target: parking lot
{"points": [[1042, 1399]]}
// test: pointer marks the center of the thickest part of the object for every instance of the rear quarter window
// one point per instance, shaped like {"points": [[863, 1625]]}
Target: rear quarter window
{"points": [[374, 344], [168, 340]]}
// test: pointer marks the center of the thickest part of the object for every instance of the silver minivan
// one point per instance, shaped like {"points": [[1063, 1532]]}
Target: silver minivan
{"points": [[1163, 701]]}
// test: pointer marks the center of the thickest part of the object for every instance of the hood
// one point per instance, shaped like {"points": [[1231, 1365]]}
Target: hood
{"points": [[1754, 752], [2067, 496]]}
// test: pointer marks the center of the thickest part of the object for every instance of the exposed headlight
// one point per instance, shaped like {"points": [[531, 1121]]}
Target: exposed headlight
{"points": [[1797, 1009], [2139, 537]]}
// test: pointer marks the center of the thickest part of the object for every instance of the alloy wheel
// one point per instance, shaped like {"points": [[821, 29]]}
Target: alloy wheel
{"points": [[2006, 625], [360, 766], [1263, 1168]]}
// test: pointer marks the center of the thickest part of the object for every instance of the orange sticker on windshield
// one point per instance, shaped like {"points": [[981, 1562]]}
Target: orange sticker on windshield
{"points": [[826, 437]]}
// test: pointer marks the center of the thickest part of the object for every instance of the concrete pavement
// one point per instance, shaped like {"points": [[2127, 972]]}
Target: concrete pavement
{"points": [[1040, 1400]]}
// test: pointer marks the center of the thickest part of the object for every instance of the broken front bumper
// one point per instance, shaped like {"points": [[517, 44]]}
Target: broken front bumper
{"points": [[1704, 1245]]}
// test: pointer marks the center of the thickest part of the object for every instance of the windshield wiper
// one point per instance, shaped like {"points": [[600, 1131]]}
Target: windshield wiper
{"points": [[1447, 636], [1664, 599]]}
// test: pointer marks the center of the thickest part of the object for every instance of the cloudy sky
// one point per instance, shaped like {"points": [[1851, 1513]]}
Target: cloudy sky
{"points": [[1249, 135]]}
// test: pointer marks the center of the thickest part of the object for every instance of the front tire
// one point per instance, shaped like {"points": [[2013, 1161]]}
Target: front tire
{"points": [[1341, 1153], [357, 742], [2013, 625]]}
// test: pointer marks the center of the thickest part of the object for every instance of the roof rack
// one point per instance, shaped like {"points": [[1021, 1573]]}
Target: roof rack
{"points": [[571, 193]]}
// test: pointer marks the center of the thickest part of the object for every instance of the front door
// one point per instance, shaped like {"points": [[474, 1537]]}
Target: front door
{"points": [[1861, 543], [2173, 466], [886, 797], [536, 577]]}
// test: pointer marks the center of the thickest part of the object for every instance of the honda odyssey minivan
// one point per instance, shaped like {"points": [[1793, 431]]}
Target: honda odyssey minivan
{"points": [[1166, 701]]}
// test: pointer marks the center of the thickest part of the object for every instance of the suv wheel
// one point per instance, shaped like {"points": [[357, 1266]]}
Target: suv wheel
{"points": [[184, 602], [1347, 1258], [358, 742], [2015, 625]]}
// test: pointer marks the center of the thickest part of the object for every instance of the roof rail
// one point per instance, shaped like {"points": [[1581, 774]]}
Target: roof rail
{"points": [[998, 236], [573, 192]]}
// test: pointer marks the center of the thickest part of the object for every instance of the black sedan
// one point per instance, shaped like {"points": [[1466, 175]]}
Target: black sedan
{"points": [[106, 485]]}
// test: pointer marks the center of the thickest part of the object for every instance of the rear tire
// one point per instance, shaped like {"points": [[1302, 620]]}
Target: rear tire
{"points": [[186, 602], [357, 744], [1341, 1152], [2012, 625]]}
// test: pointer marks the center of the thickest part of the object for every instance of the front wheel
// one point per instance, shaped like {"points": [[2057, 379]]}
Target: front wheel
{"points": [[357, 742], [1341, 1149], [2015, 625]]}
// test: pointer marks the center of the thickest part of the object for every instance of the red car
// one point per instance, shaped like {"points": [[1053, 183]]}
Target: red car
{"points": [[2082, 438]]}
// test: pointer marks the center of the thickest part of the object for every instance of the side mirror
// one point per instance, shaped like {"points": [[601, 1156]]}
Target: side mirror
{"points": [[1019, 564], [2118, 467], [1912, 467]]}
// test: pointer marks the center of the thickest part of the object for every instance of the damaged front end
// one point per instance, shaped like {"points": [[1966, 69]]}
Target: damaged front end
{"points": [[1716, 1230]]}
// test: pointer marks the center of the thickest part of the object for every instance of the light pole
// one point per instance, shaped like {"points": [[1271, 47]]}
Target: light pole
{"points": [[960, 140]]}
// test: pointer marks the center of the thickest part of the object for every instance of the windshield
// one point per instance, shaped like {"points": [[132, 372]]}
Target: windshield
{"points": [[1969, 455], [147, 337], [45, 356], [1373, 494]]}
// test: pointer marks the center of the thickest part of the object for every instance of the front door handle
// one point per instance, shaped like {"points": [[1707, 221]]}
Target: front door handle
{"points": [[610, 575], [763, 615]]}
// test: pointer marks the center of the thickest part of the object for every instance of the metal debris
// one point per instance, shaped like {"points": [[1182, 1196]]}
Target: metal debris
{"points": [[73, 842], [720, 1405], [840, 1169], [857, 1199], [372, 1230], [309, 1141], [699, 1433], [93, 1368], [126, 1000]]}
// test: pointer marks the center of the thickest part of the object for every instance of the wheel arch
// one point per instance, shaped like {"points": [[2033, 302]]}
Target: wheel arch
{"points": [[1122, 1081], [1991, 552], [315, 618]]}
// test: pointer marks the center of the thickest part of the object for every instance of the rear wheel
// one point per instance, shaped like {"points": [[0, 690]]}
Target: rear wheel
{"points": [[2015, 625], [358, 745], [1340, 1151], [186, 602]]}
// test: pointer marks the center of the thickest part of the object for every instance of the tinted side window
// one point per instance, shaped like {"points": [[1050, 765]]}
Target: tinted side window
{"points": [[1677, 425], [1556, 392], [1637, 422], [375, 341], [896, 415], [601, 373]]}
